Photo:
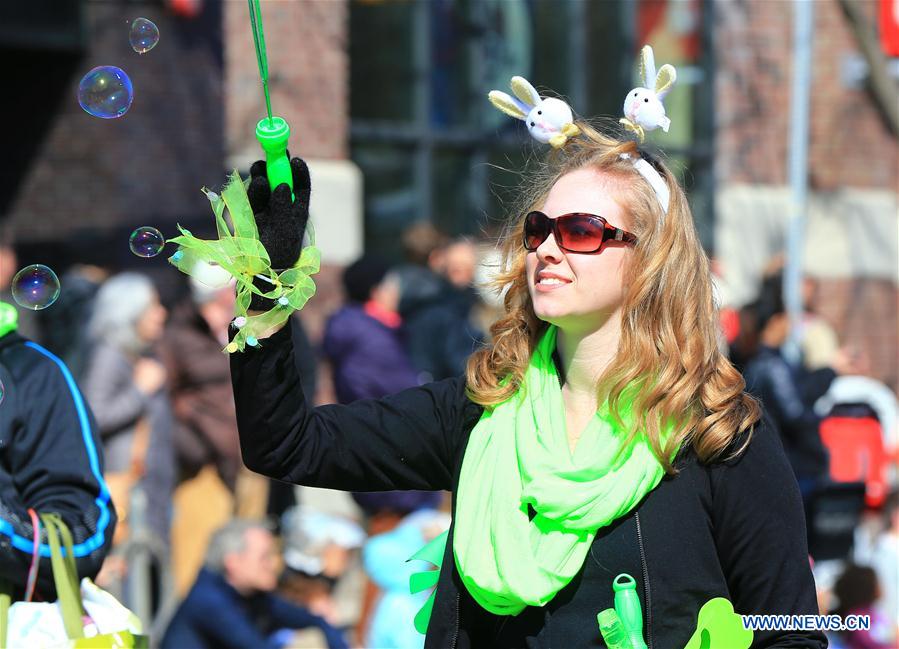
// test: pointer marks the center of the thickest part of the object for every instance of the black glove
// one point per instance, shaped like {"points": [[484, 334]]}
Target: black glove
{"points": [[281, 221]]}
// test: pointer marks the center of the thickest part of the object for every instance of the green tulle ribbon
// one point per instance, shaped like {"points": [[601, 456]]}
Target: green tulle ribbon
{"points": [[239, 251], [433, 553]]}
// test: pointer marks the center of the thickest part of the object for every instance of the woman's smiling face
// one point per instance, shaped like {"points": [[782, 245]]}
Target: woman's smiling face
{"points": [[577, 291]]}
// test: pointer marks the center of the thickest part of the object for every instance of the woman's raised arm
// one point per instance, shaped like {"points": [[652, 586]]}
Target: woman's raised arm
{"points": [[409, 440]]}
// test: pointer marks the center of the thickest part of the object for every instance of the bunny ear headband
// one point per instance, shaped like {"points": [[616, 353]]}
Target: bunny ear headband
{"points": [[550, 120]]}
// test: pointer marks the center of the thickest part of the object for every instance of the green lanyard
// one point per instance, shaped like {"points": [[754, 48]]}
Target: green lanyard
{"points": [[271, 131]]}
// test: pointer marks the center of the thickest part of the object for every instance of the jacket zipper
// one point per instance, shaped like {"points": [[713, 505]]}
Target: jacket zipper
{"points": [[645, 582], [456, 632]]}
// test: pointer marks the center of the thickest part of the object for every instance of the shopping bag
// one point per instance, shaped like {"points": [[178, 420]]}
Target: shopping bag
{"points": [[84, 615]]}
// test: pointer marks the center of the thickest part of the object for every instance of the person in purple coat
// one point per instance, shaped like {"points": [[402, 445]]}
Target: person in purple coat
{"points": [[363, 338], [363, 341]]}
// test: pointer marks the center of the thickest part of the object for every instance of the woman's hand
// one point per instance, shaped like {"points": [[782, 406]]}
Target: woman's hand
{"points": [[281, 220]]}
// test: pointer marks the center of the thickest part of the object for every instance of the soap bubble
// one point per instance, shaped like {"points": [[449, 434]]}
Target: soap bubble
{"points": [[146, 241], [35, 287], [144, 35], [106, 92]]}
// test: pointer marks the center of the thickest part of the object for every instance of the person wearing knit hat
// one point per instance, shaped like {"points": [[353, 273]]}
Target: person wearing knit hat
{"points": [[362, 339], [364, 343], [362, 276]]}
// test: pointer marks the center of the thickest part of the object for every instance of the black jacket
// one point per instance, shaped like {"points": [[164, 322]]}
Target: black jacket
{"points": [[734, 529], [51, 460]]}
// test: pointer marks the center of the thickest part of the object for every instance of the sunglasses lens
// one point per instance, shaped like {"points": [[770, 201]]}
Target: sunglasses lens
{"points": [[581, 233], [536, 229]]}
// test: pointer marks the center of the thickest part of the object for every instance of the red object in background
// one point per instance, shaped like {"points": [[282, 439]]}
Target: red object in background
{"points": [[889, 27], [857, 454], [730, 324], [652, 16], [186, 8]]}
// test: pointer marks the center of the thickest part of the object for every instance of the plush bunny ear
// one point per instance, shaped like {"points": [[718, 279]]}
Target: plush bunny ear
{"points": [[647, 66], [525, 91], [665, 80], [507, 104]]}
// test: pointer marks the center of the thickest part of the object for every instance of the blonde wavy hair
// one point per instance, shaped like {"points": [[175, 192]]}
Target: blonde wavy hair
{"points": [[668, 363]]}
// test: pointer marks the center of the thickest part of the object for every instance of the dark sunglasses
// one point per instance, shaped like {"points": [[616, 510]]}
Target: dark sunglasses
{"points": [[577, 232]]}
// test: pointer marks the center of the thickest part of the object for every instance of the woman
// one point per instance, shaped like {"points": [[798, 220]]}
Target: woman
{"points": [[602, 431], [126, 389]]}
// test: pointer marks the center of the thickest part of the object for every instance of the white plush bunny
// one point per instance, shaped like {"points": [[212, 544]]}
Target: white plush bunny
{"points": [[549, 120], [643, 107]]}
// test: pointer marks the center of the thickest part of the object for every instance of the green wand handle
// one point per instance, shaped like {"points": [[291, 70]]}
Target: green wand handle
{"points": [[271, 131], [272, 135], [627, 605]]}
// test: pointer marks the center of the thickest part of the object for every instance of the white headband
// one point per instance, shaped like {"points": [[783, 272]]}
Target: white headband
{"points": [[653, 177], [644, 111]]}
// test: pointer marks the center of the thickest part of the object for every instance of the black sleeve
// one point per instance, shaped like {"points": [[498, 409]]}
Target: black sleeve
{"points": [[404, 441], [761, 540], [54, 464], [305, 355]]}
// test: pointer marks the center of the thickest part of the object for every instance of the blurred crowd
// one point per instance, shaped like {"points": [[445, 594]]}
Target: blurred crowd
{"points": [[284, 566], [838, 426], [301, 567]]}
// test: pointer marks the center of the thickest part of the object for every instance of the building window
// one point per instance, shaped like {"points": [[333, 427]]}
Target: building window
{"points": [[429, 144]]}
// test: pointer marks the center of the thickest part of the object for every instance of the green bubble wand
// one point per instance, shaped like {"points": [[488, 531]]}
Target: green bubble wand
{"points": [[271, 131], [238, 249]]}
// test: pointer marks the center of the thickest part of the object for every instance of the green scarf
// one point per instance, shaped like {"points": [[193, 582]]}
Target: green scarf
{"points": [[517, 455]]}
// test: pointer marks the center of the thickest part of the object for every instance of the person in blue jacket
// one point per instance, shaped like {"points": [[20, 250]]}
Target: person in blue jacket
{"points": [[385, 559], [51, 461], [232, 603]]}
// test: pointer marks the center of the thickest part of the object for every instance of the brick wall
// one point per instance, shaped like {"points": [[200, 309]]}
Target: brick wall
{"points": [[197, 100], [146, 167], [849, 146], [308, 68], [849, 141], [863, 312]]}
